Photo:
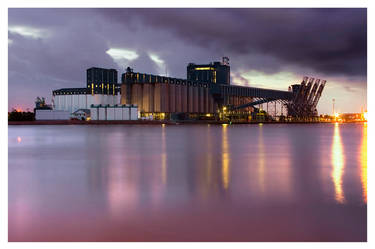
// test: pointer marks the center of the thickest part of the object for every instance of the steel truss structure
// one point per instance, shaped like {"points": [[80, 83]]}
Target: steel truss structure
{"points": [[300, 102]]}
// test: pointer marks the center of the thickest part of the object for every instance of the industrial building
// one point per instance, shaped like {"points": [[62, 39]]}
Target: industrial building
{"points": [[71, 99], [41, 114], [101, 80], [215, 72], [102, 89], [114, 112], [43, 111], [160, 96], [205, 93]]}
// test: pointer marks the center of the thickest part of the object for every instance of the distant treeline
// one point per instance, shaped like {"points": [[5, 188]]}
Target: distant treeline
{"points": [[21, 116]]}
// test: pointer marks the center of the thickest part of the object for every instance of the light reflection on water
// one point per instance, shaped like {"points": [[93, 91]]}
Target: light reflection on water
{"points": [[188, 183], [208, 173], [363, 159], [225, 158], [338, 165], [261, 160], [163, 157]]}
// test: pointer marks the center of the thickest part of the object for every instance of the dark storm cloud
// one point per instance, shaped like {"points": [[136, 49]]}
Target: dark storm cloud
{"points": [[329, 41]]}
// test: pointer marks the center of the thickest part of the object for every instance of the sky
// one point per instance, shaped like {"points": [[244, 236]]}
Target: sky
{"points": [[50, 49]]}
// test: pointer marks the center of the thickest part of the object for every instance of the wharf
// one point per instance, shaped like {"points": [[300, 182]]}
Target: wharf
{"points": [[157, 122]]}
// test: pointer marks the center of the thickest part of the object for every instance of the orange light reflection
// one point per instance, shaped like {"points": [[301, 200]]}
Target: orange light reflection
{"points": [[163, 157], [364, 163], [225, 158], [337, 157]]}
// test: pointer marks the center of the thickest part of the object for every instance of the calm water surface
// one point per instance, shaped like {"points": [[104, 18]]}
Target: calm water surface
{"points": [[188, 183]]}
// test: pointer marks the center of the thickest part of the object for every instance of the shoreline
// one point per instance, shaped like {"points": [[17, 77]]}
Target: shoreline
{"points": [[157, 122]]}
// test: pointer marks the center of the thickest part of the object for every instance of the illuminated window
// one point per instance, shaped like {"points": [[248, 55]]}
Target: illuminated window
{"points": [[204, 68]]}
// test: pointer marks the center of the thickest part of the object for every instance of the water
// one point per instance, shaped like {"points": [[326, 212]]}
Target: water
{"points": [[188, 183]]}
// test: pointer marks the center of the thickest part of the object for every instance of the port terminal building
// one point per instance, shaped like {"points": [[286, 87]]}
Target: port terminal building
{"points": [[206, 92]]}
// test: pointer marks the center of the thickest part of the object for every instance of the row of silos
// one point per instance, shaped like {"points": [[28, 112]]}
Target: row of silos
{"points": [[115, 112], [168, 98]]}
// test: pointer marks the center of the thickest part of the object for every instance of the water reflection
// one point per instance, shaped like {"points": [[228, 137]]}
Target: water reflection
{"points": [[123, 180], [261, 160], [187, 183], [209, 157], [364, 163], [163, 157], [156, 175], [225, 157], [338, 165]]}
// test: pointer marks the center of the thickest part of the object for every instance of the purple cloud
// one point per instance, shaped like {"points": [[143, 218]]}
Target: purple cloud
{"points": [[51, 48]]}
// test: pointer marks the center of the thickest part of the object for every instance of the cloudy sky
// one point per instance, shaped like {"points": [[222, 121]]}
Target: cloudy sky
{"points": [[50, 49]]}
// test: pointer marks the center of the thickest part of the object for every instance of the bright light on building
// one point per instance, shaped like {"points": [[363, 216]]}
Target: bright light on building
{"points": [[337, 115], [365, 116], [204, 68]]}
